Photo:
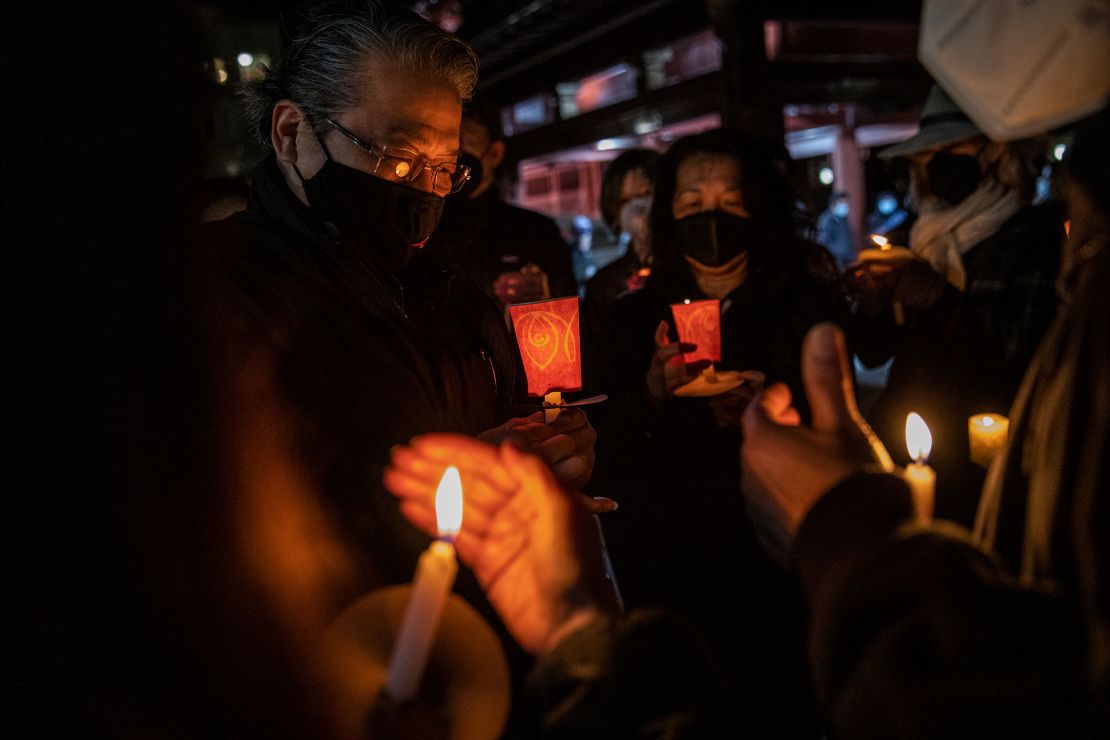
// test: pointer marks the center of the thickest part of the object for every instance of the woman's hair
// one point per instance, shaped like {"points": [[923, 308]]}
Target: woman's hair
{"points": [[634, 160], [323, 69], [767, 194]]}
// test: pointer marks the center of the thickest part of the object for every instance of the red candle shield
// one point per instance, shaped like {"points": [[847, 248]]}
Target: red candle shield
{"points": [[699, 322], [549, 340]]}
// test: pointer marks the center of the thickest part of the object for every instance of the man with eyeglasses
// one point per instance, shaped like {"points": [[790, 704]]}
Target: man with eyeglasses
{"points": [[373, 339]]}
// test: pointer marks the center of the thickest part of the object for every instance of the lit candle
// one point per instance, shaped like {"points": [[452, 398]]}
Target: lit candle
{"points": [[554, 398], [986, 436], [435, 575], [921, 479]]}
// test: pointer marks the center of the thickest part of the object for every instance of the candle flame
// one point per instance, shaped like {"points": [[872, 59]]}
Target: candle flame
{"points": [[988, 421], [449, 503], [686, 301], [881, 241], [919, 441]]}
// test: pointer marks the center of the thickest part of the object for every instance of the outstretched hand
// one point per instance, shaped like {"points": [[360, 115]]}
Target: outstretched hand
{"points": [[789, 467], [533, 546]]}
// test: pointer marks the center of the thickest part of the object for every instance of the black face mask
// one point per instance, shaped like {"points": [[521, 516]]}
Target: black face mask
{"points": [[713, 238], [476, 174], [369, 212], [953, 177]]}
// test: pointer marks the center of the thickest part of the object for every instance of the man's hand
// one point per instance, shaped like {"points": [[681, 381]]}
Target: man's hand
{"points": [[668, 370], [728, 407], [788, 467], [570, 449], [566, 444], [532, 545]]}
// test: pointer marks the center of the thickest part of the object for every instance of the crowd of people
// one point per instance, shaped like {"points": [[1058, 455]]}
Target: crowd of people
{"points": [[229, 417]]}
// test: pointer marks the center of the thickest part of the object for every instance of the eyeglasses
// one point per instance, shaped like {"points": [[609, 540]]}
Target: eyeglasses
{"points": [[405, 165]]}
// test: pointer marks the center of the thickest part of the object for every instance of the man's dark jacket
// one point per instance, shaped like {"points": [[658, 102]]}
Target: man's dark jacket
{"points": [[365, 359]]}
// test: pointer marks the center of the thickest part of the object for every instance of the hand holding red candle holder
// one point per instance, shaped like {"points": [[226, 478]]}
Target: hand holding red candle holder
{"points": [[550, 341], [699, 323]]}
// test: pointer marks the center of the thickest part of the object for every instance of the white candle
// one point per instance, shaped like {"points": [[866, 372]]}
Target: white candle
{"points": [[921, 479], [435, 575], [986, 436], [556, 398]]}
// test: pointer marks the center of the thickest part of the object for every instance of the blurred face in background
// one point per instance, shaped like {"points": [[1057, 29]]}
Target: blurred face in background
{"points": [[944, 177], [482, 153], [635, 184]]}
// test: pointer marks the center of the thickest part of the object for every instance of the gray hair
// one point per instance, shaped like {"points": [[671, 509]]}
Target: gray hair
{"points": [[326, 61]]}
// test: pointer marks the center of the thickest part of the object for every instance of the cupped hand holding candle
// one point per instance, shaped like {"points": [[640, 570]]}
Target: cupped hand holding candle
{"points": [[987, 435], [921, 479], [532, 545], [435, 575]]}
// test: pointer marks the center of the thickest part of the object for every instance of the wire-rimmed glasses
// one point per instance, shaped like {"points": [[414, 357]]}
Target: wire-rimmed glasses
{"points": [[404, 165]]}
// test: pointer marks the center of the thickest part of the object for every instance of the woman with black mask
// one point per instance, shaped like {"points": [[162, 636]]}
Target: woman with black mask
{"points": [[724, 226], [961, 320]]}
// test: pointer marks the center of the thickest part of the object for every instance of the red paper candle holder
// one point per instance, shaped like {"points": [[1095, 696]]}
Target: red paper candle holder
{"points": [[699, 322], [549, 339]]}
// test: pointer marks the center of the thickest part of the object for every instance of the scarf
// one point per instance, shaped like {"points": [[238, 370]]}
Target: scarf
{"points": [[942, 236]]}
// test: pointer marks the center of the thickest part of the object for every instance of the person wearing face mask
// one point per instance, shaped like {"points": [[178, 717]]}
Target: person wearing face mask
{"points": [[724, 225], [975, 302], [512, 254], [888, 219], [376, 338], [834, 231], [625, 201]]}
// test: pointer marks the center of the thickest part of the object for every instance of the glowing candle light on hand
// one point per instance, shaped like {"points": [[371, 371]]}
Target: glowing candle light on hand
{"points": [[921, 479], [435, 575]]}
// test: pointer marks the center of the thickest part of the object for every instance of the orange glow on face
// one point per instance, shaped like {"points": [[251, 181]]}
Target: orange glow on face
{"points": [[548, 336]]}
